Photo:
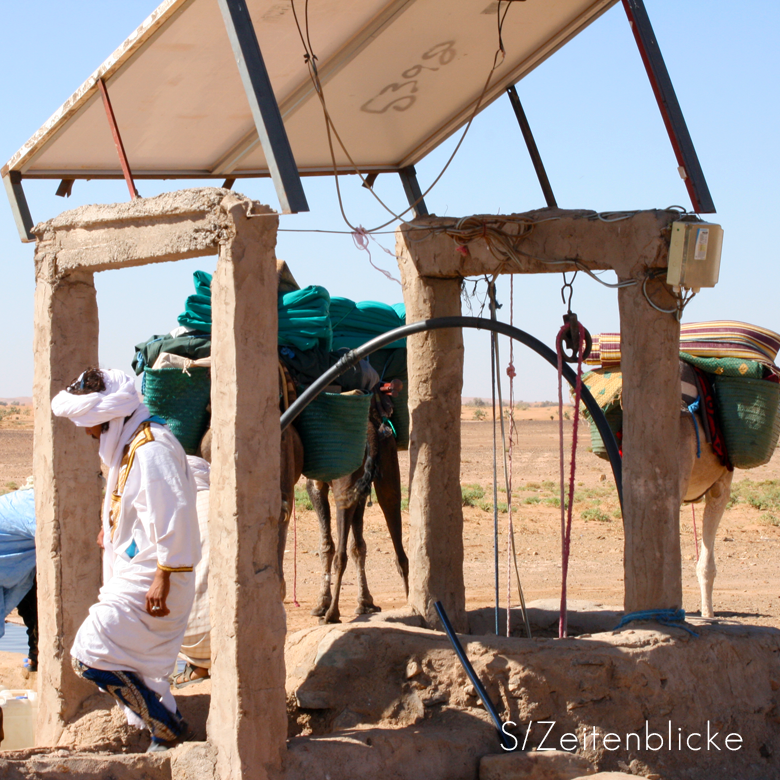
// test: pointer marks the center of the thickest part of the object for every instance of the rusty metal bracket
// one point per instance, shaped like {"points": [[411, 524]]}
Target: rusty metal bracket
{"points": [[120, 147]]}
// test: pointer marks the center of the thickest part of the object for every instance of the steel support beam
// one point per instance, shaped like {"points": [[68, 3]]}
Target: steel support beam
{"points": [[653, 60], [21, 211], [265, 109], [412, 189], [533, 150]]}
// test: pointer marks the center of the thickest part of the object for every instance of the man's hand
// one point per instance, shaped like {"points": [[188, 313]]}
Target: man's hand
{"points": [[100, 539], [158, 593]]}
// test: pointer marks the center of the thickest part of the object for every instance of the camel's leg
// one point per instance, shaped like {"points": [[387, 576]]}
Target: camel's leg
{"points": [[387, 484], [344, 516], [318, 495], [365, 601], [716, 500]]}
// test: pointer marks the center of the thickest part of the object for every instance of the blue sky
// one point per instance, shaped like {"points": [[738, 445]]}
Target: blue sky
{"points": [[596, 124]]}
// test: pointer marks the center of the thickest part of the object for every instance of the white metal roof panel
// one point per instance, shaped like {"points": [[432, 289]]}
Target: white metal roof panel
{"points": [[399, 77]]}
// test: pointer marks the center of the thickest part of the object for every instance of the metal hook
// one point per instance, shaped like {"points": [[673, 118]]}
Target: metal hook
{"points": [[570, 287]]}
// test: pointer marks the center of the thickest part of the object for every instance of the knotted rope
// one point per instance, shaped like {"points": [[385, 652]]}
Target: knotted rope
{"points": [[566, 511]]}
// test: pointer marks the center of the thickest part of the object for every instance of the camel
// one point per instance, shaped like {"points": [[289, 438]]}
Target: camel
{"points": [[380, 467], [705, 477]]}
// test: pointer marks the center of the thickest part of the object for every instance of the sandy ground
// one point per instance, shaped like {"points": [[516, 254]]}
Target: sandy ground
{"points": [[746, 587]]}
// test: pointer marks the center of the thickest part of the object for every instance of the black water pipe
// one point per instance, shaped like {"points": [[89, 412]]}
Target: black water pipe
{"points": [[352, 357], [475, 681]]}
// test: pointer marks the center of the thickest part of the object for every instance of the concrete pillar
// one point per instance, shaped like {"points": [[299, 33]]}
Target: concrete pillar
{"points": [[649, 343], [435, 365], [247, 720], [66, 470]]}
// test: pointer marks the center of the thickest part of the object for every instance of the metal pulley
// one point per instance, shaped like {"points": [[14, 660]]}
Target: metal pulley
{"points": [[571, 339]]}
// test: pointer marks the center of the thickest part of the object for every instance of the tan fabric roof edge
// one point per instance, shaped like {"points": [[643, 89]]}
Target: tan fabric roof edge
{"points": [[141, 173], [144, 33]]}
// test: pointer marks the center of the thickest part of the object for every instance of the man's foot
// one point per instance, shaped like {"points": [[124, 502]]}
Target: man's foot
{"points": [[191, 675], [161, 745], [28, 667]]}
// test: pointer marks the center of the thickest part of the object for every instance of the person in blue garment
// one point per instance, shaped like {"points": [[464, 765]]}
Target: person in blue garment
{"points": [[17, 566]]}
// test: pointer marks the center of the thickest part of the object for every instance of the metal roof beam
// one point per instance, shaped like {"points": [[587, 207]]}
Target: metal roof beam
{"points": [[265, 109], [684, 150], [533, 150], [413, 192], [325, 72], [21, 211]]}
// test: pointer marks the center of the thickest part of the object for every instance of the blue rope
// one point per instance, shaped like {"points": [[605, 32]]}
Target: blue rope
{"points": [[694, 407], [666, 617]]}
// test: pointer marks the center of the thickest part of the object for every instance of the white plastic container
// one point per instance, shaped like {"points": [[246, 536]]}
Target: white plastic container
{"points": [[20, 709]]}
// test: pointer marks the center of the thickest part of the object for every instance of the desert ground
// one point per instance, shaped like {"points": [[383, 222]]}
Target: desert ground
{"points": [[747, 587]]}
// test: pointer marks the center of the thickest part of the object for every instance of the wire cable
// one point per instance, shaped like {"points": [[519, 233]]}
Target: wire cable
{"points": [[310, 60]]}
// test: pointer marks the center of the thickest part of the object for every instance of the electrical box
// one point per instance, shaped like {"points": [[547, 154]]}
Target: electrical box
{"points": [[694, 255]]}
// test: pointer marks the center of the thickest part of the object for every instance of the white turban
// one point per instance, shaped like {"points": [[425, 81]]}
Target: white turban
{"points": [[119, 400]]}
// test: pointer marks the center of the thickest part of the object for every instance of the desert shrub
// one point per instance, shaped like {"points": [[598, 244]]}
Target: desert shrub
{"points": [[595, 513], [472, 494], [302, 500], [760, 495], [480, 414]]}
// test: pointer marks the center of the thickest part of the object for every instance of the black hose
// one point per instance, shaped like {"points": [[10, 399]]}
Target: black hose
{"points": [[355, 355], [475, 681]]}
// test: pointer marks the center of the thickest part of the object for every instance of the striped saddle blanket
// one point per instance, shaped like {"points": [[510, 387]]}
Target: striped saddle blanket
{"points": [[719, 339]]}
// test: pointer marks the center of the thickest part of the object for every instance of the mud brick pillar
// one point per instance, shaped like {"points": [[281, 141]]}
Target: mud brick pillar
{"points": [[435, 366], [247, 720], [649, 346], [66, 470]]}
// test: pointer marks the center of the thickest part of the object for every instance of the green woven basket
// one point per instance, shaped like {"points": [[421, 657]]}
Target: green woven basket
{"points": [[182, 400], [333, 431], [614, 415], [400, 418], [747, 410]]}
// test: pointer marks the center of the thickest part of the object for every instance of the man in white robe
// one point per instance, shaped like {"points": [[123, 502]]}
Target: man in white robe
{"points": [[129, 642]]}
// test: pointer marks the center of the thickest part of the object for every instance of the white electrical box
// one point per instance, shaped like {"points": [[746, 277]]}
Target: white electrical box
{"points": [[694, 255]]}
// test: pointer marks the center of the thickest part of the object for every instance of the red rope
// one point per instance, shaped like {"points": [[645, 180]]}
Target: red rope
{"points": [[566, 512], [512, 432], [295, 553]]}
